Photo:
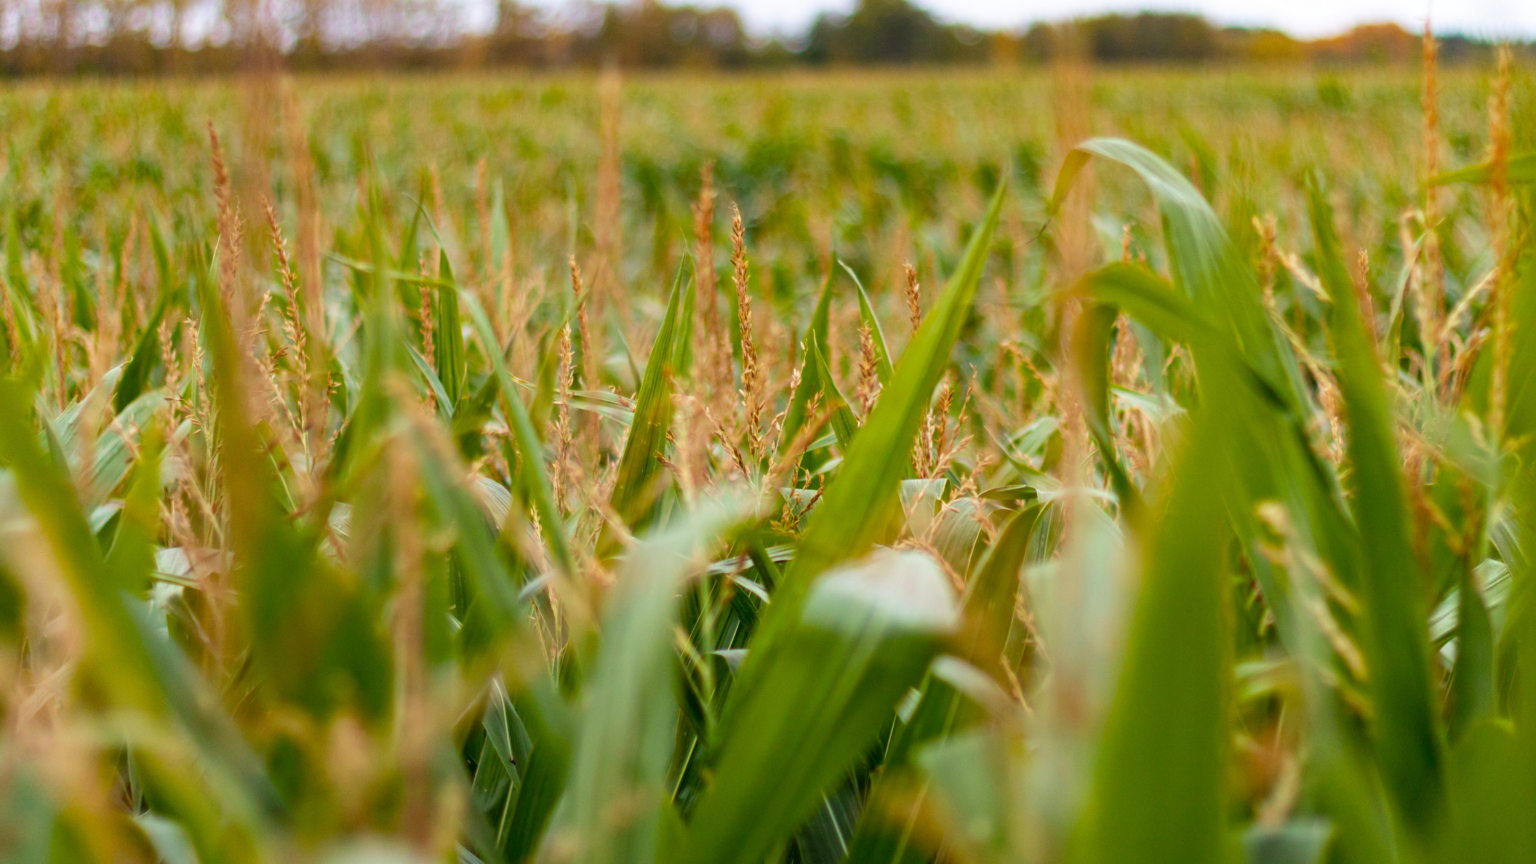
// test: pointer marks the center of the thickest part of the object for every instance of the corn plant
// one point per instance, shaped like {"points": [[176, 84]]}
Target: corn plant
{"points": [[1163, 543]]}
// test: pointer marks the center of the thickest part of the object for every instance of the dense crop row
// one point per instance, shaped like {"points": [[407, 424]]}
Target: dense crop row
{"points": [[864, 469]]}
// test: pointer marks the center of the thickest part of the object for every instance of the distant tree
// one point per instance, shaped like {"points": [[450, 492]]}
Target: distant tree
{"points": [[517, 37], [1369, 43], [648, 34], [1261, 45], [890, 32], [1151, 36]]}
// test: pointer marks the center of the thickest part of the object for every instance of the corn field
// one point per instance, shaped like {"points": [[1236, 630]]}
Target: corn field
{"points": [[1081, 466]]}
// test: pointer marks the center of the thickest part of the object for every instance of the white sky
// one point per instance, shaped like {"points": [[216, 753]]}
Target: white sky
{"points": [[1308, 18]]}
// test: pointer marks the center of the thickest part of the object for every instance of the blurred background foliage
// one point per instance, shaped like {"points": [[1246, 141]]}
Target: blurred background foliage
{"points": [[188, 37]]}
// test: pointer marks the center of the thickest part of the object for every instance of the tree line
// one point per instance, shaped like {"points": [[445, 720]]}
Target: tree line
{"points": [[143, 37]]}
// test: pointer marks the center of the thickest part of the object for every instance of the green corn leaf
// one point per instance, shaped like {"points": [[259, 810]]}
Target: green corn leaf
{"points": [[114, 649], [545, 772], [989, 610], [334, 649], [619, 767], [1275, 425], [1170, 315], [1268, 414], [408, 255], [1159, 780], [1518, 639], [824, 837], [530, 449], [543, 406], [448, 344], [146, 350], [474, 548], [810, 380], [471, 417], [74, 281], [872, 321], [1298, 841], [429, 377], [15, 272], [1490, 781], [1472, 680], [1091, 343], [1150, 299], [864, 636], [1206, 266], [990, 595], [969, 775], [1408, 738], [169, 839], [844, 424], [132, 554], [115, 446], [1521, 169], [640, 466]]}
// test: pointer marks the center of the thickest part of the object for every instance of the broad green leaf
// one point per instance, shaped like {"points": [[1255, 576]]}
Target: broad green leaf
{"points": [[132, 554], [544, 774], [1407, 734], [474, 549], [863, 637], [844, 424], [1091, 344], [1472, 680], [169, 839], [1492, 797], [619, 767], [429, 377], [1160, 774], [113, 648], [990, 596], [989, 605], [824, 837], [1158, 306], [1299, 841], [974, 793], [116, 445], [1205, 264], [640, 467]]}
